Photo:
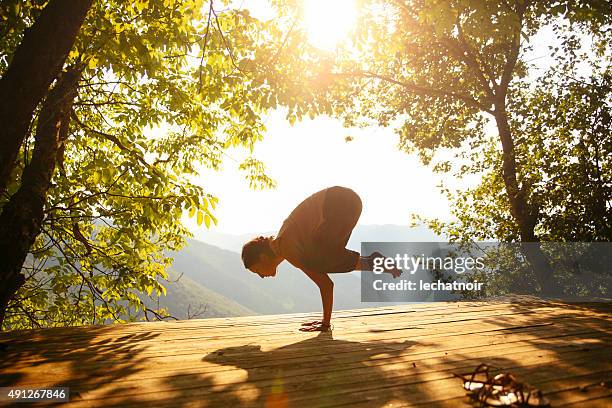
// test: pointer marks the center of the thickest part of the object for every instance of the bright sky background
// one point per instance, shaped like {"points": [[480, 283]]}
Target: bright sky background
{"points": [[313, 154]]}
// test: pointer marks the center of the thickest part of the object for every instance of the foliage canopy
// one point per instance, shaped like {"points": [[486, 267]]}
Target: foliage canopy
{"points": [[167, 87]]}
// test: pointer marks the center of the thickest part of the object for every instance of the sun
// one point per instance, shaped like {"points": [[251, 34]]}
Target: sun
{"points": [[328, 22]]}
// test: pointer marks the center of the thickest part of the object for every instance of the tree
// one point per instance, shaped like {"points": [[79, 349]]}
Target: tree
{"points": [[21, 217], [110, 189], [565, 152], [35, 63], [441, 73]]}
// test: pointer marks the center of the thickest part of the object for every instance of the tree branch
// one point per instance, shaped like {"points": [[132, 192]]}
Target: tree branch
{"points": [[210, 11], [469, 57], [418, 89], [513, 56]]}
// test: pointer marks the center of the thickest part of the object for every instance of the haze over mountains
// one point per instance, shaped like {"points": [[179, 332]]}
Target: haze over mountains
{"points": [[371, 233], [214, 278]]}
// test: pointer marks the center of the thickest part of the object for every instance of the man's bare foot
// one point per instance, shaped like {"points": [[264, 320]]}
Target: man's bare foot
{"points": [[393, 271], [311, 323]]}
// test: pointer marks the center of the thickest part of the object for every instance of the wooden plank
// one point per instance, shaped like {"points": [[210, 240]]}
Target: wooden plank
{"points": [[340, 374], [212, 346], [175, 348], [341, 348], [408, 352], [220, 323], [290, 331], [355, 390], [316, 362], [159, 368]]}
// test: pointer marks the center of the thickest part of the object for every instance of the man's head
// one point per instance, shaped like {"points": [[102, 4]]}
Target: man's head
{"points": [[258, 257]]}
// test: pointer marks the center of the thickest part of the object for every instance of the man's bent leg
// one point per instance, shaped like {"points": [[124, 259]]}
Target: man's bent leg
{"points": [[341, 211]]}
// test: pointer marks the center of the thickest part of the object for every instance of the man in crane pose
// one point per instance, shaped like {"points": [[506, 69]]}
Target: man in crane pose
{"points": [[313, 239]]}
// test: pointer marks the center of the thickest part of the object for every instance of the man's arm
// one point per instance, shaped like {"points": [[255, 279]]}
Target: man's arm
{"points": [[326, 288]]}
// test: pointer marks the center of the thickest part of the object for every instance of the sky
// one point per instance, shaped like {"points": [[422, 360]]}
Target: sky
{"points": [[313, 154]]}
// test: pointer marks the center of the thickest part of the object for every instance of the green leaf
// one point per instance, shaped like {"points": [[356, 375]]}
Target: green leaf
{"points": [[207, 220]]}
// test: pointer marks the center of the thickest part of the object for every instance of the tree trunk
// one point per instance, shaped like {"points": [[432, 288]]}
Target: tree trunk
{"points": [[22, 216], [524, 214], [37, 61]]}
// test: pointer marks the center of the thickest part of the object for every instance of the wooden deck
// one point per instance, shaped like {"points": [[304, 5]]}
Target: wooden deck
{"points": [[394, 356]]}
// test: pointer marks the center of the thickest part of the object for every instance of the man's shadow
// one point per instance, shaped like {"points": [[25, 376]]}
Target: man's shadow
{"points": [[317, 371]]}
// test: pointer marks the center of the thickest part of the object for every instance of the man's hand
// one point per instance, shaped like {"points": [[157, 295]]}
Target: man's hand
{"points": [[317, 325]]}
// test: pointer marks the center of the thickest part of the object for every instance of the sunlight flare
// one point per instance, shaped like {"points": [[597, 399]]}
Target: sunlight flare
{"points": [[328, 23]]}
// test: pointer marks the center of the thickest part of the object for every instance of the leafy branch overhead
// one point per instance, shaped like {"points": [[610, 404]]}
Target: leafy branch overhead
{"points": [[166, 87], [113, 113], [460, 85]]}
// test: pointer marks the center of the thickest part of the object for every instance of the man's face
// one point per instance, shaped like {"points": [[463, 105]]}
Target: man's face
{"points": [[265, 267]]}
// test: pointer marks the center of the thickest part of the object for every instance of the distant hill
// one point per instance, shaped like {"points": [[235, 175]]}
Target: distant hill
{"points": [[186, 298]]}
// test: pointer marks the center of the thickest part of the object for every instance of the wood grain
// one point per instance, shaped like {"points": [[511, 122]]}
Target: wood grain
{"points": [[395, 356]]}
